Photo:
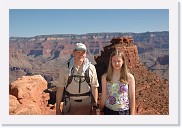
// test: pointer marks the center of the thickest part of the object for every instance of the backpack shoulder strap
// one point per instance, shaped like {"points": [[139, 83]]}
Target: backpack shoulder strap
{"points": [[70, 78], [87, 76]]}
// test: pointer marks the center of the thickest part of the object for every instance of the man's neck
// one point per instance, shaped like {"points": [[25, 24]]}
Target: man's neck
{"points": [[78, 63]]}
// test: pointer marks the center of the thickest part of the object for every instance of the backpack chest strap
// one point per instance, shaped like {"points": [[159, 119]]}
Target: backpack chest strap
{"points": [[86, 76], [77, 95]]}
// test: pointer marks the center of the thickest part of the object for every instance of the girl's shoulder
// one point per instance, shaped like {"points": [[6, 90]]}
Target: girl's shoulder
{"points": [[104, 76], [130, 76]]}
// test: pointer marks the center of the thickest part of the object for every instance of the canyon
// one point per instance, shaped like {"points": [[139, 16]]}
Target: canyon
{"points": [[147, 58]]}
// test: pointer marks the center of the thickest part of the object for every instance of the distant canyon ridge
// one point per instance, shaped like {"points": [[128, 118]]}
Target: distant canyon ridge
{"points": [[45, 54]]}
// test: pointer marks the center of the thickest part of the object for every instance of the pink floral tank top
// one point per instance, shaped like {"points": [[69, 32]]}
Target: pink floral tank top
{"points": [[117, 98]]}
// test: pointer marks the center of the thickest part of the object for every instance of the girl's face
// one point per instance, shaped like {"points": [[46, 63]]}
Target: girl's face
{"points": [[117, 62]]}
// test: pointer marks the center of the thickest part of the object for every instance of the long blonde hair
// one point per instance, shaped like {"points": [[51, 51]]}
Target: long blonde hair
{"points": [[123, 70]]}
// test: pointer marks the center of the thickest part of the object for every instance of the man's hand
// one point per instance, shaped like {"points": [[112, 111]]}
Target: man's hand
{"points": [[58, 112]]}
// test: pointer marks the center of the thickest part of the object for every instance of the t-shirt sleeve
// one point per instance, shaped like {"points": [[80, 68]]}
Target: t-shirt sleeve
{"points": [[94, 80], [62, 78]]}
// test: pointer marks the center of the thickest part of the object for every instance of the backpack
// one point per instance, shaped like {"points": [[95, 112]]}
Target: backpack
{"points": [[86, 75], [66, 94]]}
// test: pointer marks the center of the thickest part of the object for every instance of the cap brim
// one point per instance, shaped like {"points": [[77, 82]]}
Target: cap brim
{"points": [[78, 49]]}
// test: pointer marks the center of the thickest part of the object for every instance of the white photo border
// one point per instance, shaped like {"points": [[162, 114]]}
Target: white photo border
{"points": [[171, 119]]}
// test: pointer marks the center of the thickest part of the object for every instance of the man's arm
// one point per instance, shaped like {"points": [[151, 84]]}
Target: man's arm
{"points": [[95, 94], [94, 84], [59, 95]]}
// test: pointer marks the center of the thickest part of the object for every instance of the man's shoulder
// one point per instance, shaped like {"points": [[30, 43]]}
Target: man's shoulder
{"points": [[92, 67], [64, 67]]}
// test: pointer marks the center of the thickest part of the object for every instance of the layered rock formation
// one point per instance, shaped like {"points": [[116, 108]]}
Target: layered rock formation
{"points": [[152, 92], [45, 53], [124, 44]]}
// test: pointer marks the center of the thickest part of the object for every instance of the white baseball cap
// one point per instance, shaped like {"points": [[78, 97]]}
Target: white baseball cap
{"points": [[80, 46]]}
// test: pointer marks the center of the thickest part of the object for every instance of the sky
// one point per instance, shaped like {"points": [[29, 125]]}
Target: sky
{"points": [[34, 22]]}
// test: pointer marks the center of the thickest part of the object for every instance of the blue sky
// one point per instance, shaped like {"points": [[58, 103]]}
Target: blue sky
{"points": [[33, 22]]}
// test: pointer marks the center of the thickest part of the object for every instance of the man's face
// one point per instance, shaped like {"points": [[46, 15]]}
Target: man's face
{"points": [[79, 55]]}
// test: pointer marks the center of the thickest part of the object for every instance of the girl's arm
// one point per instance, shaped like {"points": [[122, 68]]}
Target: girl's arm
{"points": [[131, 82], [103, 94]]}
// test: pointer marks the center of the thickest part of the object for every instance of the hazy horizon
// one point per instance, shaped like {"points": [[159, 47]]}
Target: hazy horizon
{"points": [[83, 34]]}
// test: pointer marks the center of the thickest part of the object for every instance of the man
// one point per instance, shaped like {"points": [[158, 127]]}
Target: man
{"points": [[79, 94]]}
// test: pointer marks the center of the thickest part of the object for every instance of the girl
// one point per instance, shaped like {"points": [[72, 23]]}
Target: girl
{"points": [[118, 88]]}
